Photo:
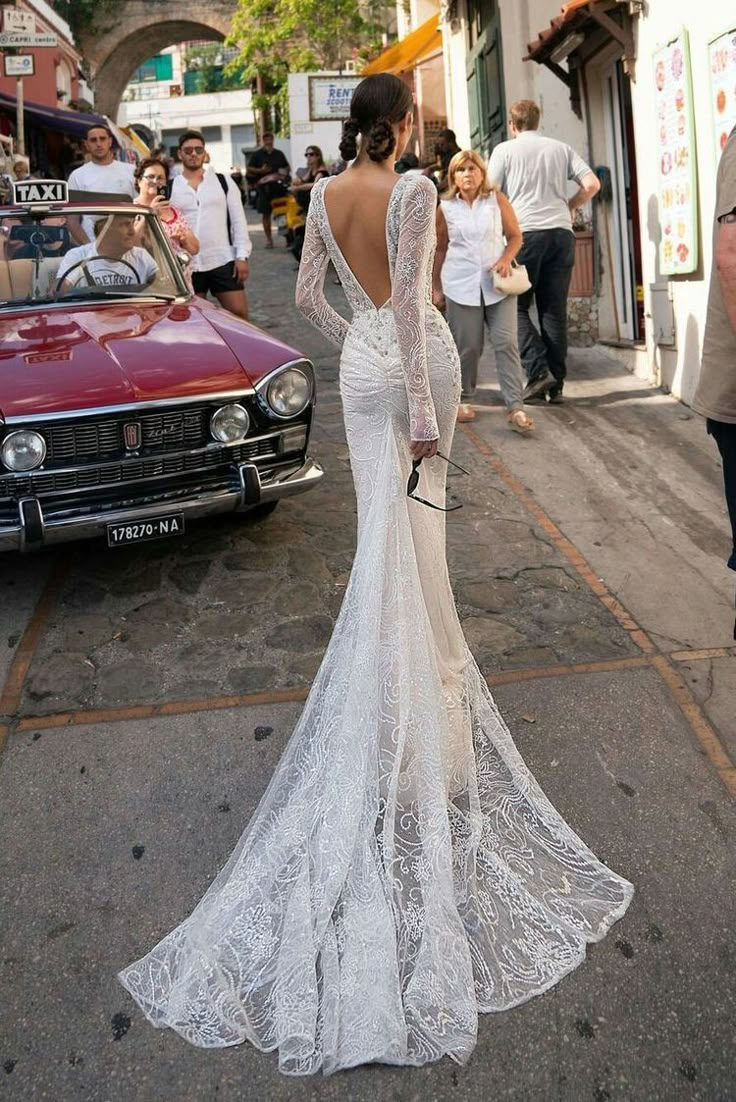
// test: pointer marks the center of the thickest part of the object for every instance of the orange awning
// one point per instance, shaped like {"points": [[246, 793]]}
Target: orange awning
{"points": [[410, 51]]}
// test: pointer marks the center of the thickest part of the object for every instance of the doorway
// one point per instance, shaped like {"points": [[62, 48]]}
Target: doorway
{"points": [[625, 262]]}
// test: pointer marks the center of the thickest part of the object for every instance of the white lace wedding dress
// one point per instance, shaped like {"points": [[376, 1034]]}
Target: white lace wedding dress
{"points": [[403, 870]]}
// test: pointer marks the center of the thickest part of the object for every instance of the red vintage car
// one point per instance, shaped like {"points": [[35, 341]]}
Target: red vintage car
{"points": [[128, 406]]}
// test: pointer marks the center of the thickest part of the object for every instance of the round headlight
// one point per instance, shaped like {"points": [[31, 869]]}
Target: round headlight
{"points": [[23, 450], [230, 424], [289, 393]]}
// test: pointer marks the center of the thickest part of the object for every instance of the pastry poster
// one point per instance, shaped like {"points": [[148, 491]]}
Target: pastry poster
{"points": [[678, 208], [722, 67]]}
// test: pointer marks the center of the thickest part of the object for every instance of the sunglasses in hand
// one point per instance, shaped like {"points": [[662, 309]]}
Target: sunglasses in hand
{"points": [[414, 482]]}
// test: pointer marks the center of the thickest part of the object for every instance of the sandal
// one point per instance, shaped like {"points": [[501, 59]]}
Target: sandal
{"points": [[465, 412], [520, 421]]}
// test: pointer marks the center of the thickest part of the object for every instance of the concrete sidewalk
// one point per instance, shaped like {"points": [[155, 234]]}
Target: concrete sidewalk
{"points": [[589, 568]]}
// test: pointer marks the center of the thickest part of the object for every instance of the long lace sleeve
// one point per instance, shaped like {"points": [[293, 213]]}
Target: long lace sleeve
{"points": [[416, 242], [310, 297]]}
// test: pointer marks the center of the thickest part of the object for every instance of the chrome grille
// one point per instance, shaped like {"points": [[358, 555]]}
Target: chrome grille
{"points": [[101, 439], [132, 470]]}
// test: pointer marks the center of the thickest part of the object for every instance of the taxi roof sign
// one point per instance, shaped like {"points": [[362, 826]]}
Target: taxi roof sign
{"points": [[30, 193]]}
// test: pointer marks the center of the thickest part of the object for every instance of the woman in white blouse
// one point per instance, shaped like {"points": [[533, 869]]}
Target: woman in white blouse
{"points": [[477, 234]]}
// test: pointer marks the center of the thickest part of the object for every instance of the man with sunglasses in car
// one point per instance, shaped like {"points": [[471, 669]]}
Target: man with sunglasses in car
{"points": [[211, 204]]}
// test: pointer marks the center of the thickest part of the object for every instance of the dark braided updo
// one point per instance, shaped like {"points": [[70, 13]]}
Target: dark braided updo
{"points": [[378, 104]]}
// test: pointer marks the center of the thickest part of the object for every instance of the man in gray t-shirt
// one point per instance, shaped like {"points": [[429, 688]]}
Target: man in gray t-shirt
{"points": [[534, 172]]}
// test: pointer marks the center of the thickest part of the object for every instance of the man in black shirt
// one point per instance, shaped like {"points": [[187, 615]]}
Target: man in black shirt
{"points": [[269, 170]]}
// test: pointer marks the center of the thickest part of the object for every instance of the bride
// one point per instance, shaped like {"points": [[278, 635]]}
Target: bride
{"points": [[403, 870]]}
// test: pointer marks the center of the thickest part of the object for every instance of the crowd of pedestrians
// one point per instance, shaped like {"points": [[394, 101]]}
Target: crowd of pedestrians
{"points": [[515, 210]]}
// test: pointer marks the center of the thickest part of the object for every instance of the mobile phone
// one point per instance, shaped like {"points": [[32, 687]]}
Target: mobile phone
{"points": [[163, 191]]}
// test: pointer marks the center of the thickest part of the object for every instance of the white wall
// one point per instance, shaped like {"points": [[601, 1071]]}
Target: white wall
{"points": [[304, 132], [178, 113], [521, 22], [678, 369]]}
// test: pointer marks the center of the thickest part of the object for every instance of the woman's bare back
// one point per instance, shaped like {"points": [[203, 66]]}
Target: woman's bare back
{"points": [[357, 203]]}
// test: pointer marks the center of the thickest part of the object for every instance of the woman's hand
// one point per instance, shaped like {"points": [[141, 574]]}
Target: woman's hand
{"points": [[438, 298], [161, 204], [503, 267], [423, 449]]}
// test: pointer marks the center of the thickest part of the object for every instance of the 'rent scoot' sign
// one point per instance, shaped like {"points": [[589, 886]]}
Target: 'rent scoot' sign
{"points": [[329, 97]]}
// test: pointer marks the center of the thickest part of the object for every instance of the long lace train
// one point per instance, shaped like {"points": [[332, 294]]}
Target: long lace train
{"points": [[403, 870]]}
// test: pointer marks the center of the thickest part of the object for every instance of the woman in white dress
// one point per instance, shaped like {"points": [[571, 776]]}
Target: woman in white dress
{"points": [[403, 870]]}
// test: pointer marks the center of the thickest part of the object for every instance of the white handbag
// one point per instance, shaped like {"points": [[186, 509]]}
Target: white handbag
{"points": [[514, 284]]}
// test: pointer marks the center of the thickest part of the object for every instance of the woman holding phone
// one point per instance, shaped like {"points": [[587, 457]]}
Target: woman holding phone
{"points": [[151, 181]]}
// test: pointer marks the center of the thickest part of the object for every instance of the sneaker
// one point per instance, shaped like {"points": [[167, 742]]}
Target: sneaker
{"points": [[538, 386], [465, 412], [554, 394]]}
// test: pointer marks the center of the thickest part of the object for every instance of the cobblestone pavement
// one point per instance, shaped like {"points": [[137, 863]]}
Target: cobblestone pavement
{"points": [[150, 693]]}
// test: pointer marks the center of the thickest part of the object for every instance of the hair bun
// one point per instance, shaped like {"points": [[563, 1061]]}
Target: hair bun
{"points": [[349, 140], [380, 140]]}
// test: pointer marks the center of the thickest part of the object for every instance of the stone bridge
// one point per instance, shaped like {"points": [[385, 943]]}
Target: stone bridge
{"points": [[121, 36]]}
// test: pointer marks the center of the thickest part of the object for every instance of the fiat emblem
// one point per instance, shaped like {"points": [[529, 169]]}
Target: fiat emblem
{"points": [[132, 435]]}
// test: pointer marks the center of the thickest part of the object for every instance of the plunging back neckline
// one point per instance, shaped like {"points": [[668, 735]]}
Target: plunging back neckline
{"points": [[341, 256]]}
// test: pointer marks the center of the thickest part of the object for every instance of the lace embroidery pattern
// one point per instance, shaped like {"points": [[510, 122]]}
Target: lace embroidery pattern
{"points": [[403, 871]]}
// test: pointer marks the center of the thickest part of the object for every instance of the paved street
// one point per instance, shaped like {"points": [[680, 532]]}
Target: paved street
{"points": [[150, 691]]}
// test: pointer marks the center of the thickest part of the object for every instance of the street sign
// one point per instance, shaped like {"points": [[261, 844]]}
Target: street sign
{"points": [[24, 38], [18, 65], [18, 22], [28, 192]]}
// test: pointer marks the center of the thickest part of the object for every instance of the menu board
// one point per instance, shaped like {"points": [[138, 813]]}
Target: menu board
{"points": [[722, 65], [677, 194]]}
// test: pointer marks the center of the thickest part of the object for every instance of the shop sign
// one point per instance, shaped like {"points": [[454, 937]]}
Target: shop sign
{"points": [[17, 20], [677, 181], [329, 97], [23, 38], [18, 65], [722, 66]]}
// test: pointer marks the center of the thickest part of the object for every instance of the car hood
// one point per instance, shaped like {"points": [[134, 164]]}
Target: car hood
{"points": [[55, 360]]}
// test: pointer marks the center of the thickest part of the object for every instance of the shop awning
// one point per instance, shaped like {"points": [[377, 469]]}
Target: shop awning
{"points": [[136, 141], [410, 51], [579, 31], [74, 123], [123, 138]]}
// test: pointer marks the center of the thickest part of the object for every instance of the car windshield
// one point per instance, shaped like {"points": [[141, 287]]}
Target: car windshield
{"points": [[42, 260]]}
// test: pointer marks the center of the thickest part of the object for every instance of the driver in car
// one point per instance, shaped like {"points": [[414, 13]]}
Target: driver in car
{"points": [[112, 260]]}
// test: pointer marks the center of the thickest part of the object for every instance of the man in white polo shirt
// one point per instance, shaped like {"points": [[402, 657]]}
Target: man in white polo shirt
{"points": [[534, 172], [102, 173], [213, 207]]}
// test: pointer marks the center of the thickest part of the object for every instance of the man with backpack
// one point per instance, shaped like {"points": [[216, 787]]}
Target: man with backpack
{"points": [[212, 205]]}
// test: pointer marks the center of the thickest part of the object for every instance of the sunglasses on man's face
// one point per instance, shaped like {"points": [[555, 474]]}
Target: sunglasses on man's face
{"points": [[414, 482], [193, 149]]}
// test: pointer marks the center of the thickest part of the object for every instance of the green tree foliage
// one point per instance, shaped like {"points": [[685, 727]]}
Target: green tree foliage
{"points": [[276, 37]]}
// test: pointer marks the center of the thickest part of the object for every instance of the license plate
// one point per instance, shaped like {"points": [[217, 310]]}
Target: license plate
{"points": [[137, 531]]}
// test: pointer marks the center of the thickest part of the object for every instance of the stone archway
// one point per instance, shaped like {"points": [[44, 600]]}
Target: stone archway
{"points": [[123, 36]]}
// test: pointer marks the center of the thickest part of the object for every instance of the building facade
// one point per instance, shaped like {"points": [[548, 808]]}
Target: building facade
{"points": [[56, 81], [646, 93], [157, 103]]}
